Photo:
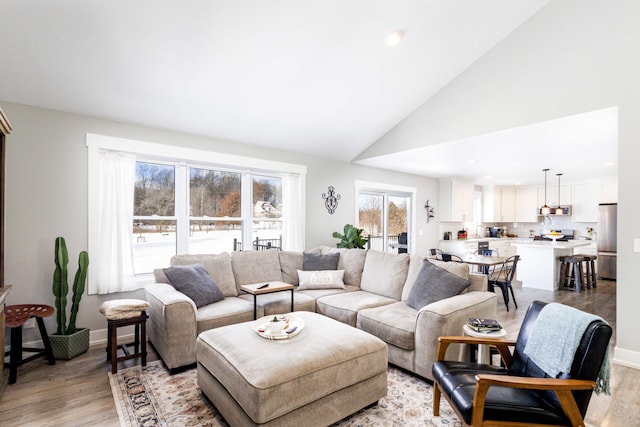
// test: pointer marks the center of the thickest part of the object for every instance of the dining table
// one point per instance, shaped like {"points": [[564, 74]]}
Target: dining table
{"points": [[484, 262]]}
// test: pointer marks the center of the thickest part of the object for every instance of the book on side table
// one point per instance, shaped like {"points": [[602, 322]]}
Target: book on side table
{"points": [[484, 325]]}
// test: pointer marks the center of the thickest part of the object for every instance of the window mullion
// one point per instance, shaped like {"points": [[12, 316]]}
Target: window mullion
{"points": [[246, 210], [182, 208]]}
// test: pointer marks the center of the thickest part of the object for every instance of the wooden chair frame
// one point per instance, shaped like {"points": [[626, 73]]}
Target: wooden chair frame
{"points": [[562, 387]]}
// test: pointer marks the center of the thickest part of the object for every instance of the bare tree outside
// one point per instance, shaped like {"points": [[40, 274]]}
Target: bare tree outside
{"points": [[397, 215], [370, 213]]}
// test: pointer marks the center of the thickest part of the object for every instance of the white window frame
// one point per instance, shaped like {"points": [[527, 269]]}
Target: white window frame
{"points": [[181, 157], [387, 190]]}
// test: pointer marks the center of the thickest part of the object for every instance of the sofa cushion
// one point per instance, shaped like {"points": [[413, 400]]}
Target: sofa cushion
{"points": [[218, 266], [352, 262], [226, 312], [194, 281], [434, 284], [321, 279], [345, 306], [385, 273], [394, 324], [290, 263], [415, 266], [256, 266], [316, 262]]}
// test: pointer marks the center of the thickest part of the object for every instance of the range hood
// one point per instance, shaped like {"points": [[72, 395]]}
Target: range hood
{"points": [[566, 210]]}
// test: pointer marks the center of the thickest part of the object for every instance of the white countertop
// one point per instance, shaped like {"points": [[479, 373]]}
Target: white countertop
{"points": [[552, 245]]}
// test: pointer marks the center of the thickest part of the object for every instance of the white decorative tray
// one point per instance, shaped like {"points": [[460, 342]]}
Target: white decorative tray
{"points": [[260, 326]]}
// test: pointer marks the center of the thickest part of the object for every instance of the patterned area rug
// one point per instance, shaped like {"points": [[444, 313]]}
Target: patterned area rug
{"points": [[151, 397]]}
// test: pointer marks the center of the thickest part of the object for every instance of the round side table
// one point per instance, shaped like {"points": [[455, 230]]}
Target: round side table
{"points": [[484, 355]]}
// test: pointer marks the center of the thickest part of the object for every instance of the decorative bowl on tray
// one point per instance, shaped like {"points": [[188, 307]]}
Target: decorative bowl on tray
{"points": [[554, 236], [284, 328]]}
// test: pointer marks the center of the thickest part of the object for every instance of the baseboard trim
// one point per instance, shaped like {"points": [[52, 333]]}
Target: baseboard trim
{"points": [[626, 358]]}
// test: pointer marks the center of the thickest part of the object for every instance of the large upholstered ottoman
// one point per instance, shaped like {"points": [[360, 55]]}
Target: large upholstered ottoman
{"points": [[323, 374]]}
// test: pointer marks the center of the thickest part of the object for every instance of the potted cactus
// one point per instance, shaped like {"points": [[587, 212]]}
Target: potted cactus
{"points": [[68, 341]]}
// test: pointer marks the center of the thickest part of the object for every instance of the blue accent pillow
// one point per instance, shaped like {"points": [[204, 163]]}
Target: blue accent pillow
{"points": [[318, 262], [194, 281], [434, 284]]}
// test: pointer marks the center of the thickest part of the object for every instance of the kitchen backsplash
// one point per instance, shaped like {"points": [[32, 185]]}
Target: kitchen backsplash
{"points": [[522, 229]]}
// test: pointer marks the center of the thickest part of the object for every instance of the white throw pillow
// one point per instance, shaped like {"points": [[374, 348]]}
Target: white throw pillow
{"points": [[321, 279]]}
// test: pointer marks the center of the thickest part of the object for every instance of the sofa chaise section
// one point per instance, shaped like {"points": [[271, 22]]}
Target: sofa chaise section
{"points": [[412, 334]]}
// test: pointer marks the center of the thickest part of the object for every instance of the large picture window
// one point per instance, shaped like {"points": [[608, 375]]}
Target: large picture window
{"points": [[184, 201]]}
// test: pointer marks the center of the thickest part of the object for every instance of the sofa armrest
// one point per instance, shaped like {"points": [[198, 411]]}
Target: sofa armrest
{"points": [[171, 326], [447, 317], [479, 282]]}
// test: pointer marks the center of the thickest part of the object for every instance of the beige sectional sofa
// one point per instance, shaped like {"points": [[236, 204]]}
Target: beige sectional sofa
{"points": [[377, 285]]}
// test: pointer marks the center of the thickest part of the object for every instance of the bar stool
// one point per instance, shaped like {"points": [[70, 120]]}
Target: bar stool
{"points": [[572, 272], [591, 276], [15, 317], [125, 312]]}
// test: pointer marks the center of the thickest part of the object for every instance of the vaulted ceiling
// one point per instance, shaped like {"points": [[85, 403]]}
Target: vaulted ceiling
{"points": [[314, 76]]}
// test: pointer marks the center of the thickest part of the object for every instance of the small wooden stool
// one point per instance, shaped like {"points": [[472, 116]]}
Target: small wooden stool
{"points": [[591, 276], [15, 317], [572, 272], [126, 312]]}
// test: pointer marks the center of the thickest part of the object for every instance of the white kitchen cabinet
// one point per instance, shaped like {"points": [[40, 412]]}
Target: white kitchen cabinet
{"points": [[508, 204], [526, 204], [502, 246], [458, 247], [609, 192], [456, 199], [491, 204], [585, 199]]}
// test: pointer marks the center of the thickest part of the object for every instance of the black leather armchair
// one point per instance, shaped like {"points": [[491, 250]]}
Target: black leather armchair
{"points": [[520, 393]]}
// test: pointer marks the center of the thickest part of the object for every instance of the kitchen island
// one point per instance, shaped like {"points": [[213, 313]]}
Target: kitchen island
{"points": [[539, 266]]}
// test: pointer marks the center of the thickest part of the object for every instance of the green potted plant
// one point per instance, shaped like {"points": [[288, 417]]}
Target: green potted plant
{"points": [[68, 341], [352, 237]]}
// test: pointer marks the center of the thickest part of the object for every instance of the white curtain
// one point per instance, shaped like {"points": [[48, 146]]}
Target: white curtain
{"points": [[293, 215], [114, 261]]}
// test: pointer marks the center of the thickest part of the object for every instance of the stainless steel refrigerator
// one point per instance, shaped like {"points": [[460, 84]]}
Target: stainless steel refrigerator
{"points": [[607, 240]]}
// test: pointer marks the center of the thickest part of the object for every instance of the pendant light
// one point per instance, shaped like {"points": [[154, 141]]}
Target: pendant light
{"points": [[545, 210], [559, 210]]}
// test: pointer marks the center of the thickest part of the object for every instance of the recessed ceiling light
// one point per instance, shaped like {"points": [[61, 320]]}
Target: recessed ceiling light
{"points": [[395, 37], [472, 161], [610, 164], [488, 177]]}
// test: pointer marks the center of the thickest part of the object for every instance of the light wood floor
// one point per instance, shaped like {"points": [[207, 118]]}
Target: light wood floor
{"points": [[77, 392]]}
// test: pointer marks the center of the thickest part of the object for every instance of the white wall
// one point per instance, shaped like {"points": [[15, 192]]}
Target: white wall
{"points": [[573, 56], [46, 196]]}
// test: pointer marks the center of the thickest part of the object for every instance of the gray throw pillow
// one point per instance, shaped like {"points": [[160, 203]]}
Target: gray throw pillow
{"points": [[317, 262], [194, 281], [434, 284]]}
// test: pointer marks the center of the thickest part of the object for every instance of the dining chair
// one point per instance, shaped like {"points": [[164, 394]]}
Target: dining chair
{"points": [[523, 392], [450, 257], [436, 253], [502, 277], [484, 269]]}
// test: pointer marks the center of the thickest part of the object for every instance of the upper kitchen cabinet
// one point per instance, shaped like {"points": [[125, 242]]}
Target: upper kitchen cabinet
{"points": [[456, 199], [498, 204], [609, 192], [508, 204], [491, 204], [527, 204], [585, 202]]}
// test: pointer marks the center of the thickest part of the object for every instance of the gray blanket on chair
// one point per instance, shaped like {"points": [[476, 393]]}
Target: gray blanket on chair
{"points": [[553, 348]]}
